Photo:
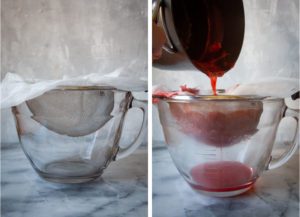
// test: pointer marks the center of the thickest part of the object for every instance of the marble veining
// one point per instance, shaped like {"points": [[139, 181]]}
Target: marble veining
{"points": [[120, 192], [275, 194]]}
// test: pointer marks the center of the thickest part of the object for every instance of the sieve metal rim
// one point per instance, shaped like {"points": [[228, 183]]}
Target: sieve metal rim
{"points": [[216, 98], [76, 88]]}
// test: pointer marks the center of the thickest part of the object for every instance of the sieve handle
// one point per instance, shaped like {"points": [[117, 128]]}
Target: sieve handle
{"points": [[124, 152], [293, 147], [295, 95]]}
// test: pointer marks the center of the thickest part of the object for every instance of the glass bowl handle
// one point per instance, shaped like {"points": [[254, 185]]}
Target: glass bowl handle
{"points": [[293, 147], [124, 152]]}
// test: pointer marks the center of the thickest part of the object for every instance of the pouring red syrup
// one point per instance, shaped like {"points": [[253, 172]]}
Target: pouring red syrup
{"points": [[213, 40], [221, 176], [211, 33], [213, 82]]}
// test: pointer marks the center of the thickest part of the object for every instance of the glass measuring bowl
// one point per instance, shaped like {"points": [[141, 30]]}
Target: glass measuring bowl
{"points": [[71, 134], [222, 144]]}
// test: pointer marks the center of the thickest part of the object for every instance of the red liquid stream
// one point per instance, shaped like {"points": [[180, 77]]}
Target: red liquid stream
{"points": [[221, 176], [213, 82]]}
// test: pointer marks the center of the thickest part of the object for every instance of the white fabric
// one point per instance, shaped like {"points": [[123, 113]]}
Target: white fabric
{"points": [[15, 89]]}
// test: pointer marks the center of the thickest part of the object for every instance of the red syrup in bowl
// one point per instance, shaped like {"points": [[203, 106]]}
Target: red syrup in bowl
{"points": [[221, 176]]}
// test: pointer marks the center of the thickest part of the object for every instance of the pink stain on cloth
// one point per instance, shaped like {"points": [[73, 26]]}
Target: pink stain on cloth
{"points": [[168, 94]]}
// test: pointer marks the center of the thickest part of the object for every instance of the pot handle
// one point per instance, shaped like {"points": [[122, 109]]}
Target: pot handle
{"points": [[293, 147], [124, 152], [159, 10]]}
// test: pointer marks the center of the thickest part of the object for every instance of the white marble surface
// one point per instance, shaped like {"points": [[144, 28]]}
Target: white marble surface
{"points": [[120, 192], [276, 193]]}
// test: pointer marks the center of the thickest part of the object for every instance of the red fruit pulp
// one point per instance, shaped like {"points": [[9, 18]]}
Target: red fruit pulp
{"points": [[217, 127]]}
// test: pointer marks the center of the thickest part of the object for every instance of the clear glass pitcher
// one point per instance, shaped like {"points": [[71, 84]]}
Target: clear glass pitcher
{"points": [[222, 144], [71, 134]]}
